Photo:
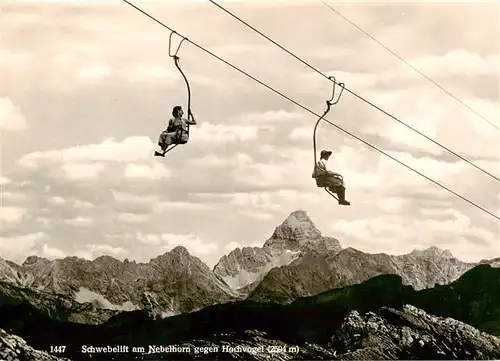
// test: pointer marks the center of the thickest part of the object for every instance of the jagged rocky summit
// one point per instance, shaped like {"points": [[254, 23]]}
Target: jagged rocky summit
{"points": [[296, 236], [388, 334], [169, 284], [318, 272], [296, 261], [410, 333], [371, 320]]}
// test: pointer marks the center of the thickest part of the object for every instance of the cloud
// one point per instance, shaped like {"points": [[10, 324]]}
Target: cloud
{"points": [[149, 239], [79, 222], [254, 155], [155, 244], [391, 233], [145, 171], [212, 160], [52, 252], [131, 149], [164, 206], [431, 114], [93, 72], [17, 248], [107, 161], [57, 200], [82, 204], [457, 62], [262, 205], [132, 218], [154, 203], [4, 181], [450, 174], [11, 117], [10, 57], [64, 60], [13, 196], [152, 72], [292, 169], [268, 117], [82, 171], [259, 201], [124, 197], [193, 243], [209, 161], [151, 203], [44, 221], [300, 133], [11, 214], [259, 215], [99, 249], [217, 133]]}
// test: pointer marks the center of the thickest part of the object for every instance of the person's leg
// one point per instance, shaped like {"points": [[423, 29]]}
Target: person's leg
{"points": [[341, 194], [161, 144], [161, 139], [340, 191], [166, 139]]}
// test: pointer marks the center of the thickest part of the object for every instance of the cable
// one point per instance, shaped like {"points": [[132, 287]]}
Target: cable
{"points": [[407, 63], [314, 113], [356, 95]]}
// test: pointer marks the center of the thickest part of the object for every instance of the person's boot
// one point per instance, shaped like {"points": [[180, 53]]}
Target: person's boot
{"points": [[160, 154], [341, 194]]}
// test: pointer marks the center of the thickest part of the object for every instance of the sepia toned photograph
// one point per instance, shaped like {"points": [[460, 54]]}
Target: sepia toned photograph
{"points": [[249, 180]]}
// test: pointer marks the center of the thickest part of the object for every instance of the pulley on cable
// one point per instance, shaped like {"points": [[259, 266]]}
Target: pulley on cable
{"points": [[332, 182], [177, 131]]}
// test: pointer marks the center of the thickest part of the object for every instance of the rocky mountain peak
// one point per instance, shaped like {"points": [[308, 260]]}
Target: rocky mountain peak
{"points": [[432, 252], [294, 231], [168, 284], [180, 250], [105, 259], [31, 260], [291, 240], [178, 261], [177, 253], [494, 262]]}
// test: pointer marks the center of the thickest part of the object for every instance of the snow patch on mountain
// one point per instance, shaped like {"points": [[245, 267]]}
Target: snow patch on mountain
{"points": [[244, 277], [295, 237], [85, 295]]}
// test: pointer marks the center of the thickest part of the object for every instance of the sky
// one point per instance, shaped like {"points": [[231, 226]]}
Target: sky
{"points": [[87, 88]]}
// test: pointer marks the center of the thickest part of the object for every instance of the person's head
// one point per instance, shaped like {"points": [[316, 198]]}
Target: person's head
{"points": [[325, 154], [177, 112]]}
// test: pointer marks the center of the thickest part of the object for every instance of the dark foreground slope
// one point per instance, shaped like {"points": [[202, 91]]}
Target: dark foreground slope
{"points": [[325, 322], [56, 306]]}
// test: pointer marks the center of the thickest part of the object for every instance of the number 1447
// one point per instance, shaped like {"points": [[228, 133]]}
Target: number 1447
{"points": [[57, 349]]}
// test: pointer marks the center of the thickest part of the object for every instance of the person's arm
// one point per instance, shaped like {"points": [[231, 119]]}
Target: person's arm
{"points": [[170, 125], [191, 121], [327, 171]]}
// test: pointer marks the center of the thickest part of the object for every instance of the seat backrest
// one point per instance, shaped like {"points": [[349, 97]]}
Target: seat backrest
{"points": [[319, 183]]}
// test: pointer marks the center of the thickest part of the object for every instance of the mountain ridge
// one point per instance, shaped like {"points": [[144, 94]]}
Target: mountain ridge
{"points": [[363, 321], [295, 261], [168, 284]]}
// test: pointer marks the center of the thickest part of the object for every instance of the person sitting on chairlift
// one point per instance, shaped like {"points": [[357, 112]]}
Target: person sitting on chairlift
{"points": [[331, 180], [176, 132]]}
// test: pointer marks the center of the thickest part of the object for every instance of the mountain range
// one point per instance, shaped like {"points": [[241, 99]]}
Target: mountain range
{"points": [[297, 274], [296, 261], [378, 319]]}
